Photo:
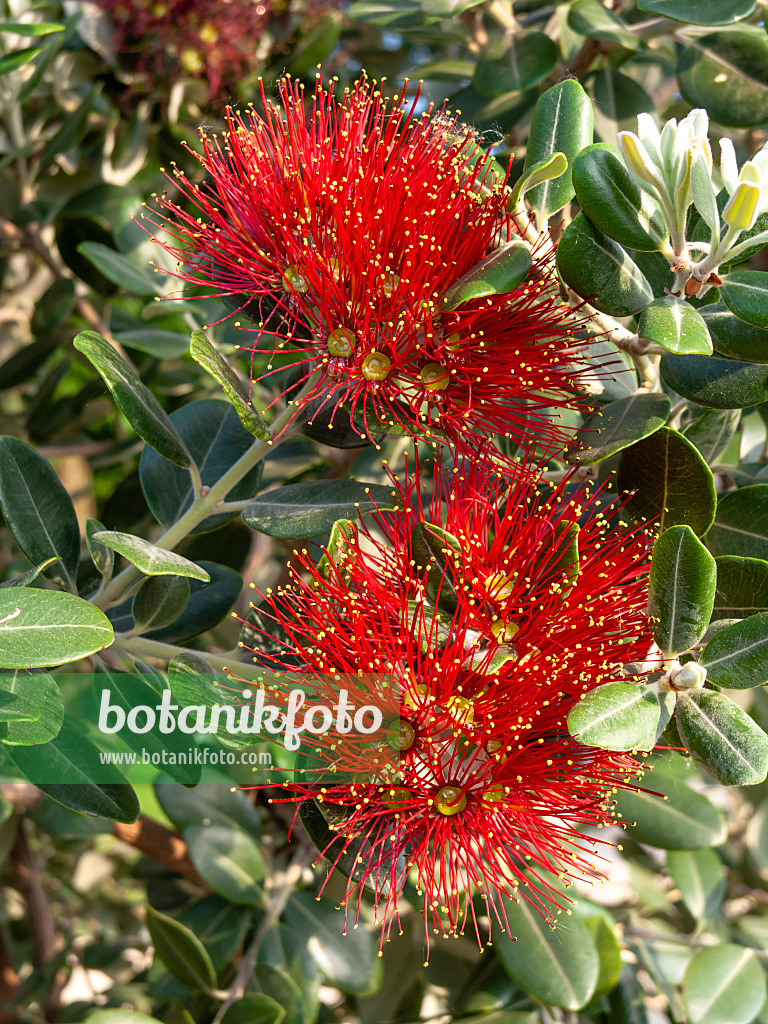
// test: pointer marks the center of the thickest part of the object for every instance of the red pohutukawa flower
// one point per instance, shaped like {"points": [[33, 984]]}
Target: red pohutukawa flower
{"points": [[346, 228], [477, 621]]}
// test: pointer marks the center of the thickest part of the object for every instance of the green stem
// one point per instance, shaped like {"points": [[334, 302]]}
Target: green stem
{"points": [[142, 647]]}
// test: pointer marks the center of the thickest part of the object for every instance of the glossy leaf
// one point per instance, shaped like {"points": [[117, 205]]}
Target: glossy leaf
{"points": [[557, 965], [699, 876], [671, 483], [675, 325], [497, 274], [678, 819], [733, 337], [702, 12], [118, 269], [716, 383], [194, 683], [617, 426], [722, 738], [41, 689], [547, 168], [745, 293], [40, 628], [69, 769], [590, 18], [255, 1008], [203, 352], [181, 951], [27, 577], [737, 656], [159, 601], [712, 431], [617, 716], [141, 408], [741, 523], [726, 72], [149, 558], [229, 861], [207, 605], [599, 270], [307, 509], [38, 511], [562, 123], [742, 587], [515, 64], [681, 590], [611, 197], [724, 984], [220, 926]]}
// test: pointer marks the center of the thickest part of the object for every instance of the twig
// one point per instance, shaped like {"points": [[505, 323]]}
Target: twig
{"points": [[679, 940], [159, 843]]}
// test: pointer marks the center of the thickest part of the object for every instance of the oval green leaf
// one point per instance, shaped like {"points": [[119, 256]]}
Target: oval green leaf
{"points": [[119, 270], [255, 1008], [497, 274], [724, 984], [699, 876], [203, 352], [722, 738], [149, 558], [41, 628], [616, 716], [726, 72], [742, 587], [159, 601], [712, 431], [229, 861], [681, 590], [515, 64], [741, 523], [181, 951], [745, 293], [675, 325], [716, 383], [42, 689], [590, 18], [209, 802], [733, 337], [618, 425], [678, 819], [307, 509], [737, 656], [702, 12]]}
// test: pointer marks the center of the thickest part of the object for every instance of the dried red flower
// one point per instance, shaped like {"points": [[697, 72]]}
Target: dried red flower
{"points": [[340, 225], [471, 622]]}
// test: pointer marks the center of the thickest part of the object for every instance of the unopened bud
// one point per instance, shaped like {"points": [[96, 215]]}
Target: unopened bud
{"points": [[741, 209], [638, 160], [689, 677]]}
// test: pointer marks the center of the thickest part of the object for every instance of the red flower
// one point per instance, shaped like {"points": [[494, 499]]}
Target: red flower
{"points": [[477, 630], [340, 226]]}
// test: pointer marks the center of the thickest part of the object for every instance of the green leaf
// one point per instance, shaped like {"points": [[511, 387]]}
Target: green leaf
{"points": [[698, 874], [722, 738], [716, 383], [29, 576], [497, 274], [82, 782], [617, 426], [254, 1008], [18, 58], [515, 64], [203, 352], [619, 97], [194, 683], [724, 984], [41, 689], [671, 483], [557, 965], [741, 523], [277, 984], [103, 557], [17, 709], [158, 343], [208, 604], [617, 716], [229, 861], [38, 511], [562, 123], [745, 293], [685, 820], [220, 926], [732, 337], [215, 437], [181, 951], [74, 125], [702, 12], [136, 401], [316, 37], [126, 691], [212, 803], [611, 197], [118, 269], [159, 601], [590, 18], [737, 656], [120, 1017], [431, 549], [148, 558], [348, 961], [39, 628], [546, 169], [742, 587], [609, 952], [727, 73], [681, 590], [676, 325], [307, 509], [599, 270], [712, 431]]}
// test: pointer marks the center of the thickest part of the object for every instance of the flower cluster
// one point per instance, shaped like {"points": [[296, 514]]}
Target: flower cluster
{"points": [[481, 617], [374, 244]]}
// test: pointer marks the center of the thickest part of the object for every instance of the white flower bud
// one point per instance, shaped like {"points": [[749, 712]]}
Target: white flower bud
{"points": [[689, 677], [729, 169]]}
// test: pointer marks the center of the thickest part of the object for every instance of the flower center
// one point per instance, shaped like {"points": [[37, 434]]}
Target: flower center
{"points": [[495, 794], [376, 366], [450, 800], [401, 735], [504, 633], [499, 586], [389, 284], [434, 377], [294, 280], [341, 342]]}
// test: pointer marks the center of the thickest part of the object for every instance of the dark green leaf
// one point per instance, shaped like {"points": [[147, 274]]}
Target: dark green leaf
{"points": [[676, 325], [141, 408], [216, 439], [611, 197], [255, 1008], [229, 861], [103, 557], [712, 431], [557, 965], [27, 577], [159, 601], [737, 656], [699, 876], [18, 58], [515, 64], [39, 628], [203, 352], [681, 590], [41, 689], [685, 820], [627, 1001], [208, 604], [598, 269], [590, 18], [118, 269], [562, 123], [745, 293], [717, 383], [497, 274], [38, 510], [194, 683], [742, 587], [619, 97], [724, 984], [733, 337], [281, 987], [741, 523], [307, 509], [69, 769], [672, 484], [181, 951], [727, 73], [148, 558], [317, 36], [212, 803], [702, 12], [722, 738], [220, 926], [617, 716], [618, 425]]}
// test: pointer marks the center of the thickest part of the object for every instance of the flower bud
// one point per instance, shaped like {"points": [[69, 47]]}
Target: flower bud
{"points": [[689, 677], [638, 160], [741, 210]]}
